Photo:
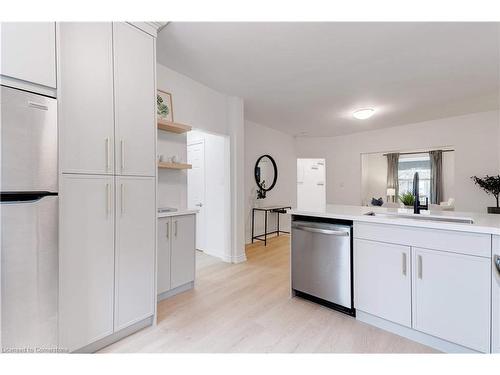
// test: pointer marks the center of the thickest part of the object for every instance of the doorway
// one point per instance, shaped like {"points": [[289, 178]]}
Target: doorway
{"points": [[208, 191]]}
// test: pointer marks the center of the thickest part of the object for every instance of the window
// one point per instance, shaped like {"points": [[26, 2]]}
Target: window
{"points": [[408, 165]]}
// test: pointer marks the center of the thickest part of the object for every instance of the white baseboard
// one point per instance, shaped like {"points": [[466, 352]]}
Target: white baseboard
{"points": [[117, 336], [235, 258], [409, 333], [175, 291]]}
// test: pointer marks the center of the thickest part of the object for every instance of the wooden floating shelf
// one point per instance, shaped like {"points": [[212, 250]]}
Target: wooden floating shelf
{"points": [[166, 165], [173, 127]]}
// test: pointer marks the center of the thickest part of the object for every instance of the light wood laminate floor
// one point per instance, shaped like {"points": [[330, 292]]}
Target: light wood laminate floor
{"points": [[246, 307]]}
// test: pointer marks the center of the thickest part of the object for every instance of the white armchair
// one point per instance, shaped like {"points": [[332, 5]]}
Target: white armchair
{"points": [[448, 205]]}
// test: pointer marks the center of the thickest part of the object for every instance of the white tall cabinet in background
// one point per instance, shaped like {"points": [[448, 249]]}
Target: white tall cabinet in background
{"points": [[311, 184], [107, 122]]}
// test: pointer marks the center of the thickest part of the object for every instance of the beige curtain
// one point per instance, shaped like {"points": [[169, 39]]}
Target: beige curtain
{"points": [[392, 172], [436, 158]]}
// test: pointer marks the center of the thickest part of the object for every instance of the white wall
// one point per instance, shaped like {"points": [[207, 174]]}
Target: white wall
{"points": [[373, 177], [208, 110], [261, 140], [474, 137], [217, 205]]}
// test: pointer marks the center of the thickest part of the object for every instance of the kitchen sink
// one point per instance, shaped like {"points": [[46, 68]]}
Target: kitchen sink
{"points": [[423, 217]]}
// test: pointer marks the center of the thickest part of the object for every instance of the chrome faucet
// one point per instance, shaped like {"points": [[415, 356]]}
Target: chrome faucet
{"points": [[416, 202]]}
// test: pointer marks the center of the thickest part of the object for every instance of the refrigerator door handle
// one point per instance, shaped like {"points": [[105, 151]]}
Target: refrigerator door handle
{"points": [[38, 106]]}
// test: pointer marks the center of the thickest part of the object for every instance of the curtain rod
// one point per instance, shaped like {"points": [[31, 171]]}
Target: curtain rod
{"points": [[416, 152]]}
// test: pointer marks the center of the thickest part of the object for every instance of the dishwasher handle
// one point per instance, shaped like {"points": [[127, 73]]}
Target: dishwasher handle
{"points": [[323, 231]]}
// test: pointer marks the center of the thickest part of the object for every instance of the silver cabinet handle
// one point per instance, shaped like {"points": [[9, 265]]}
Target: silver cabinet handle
{"points": [[168, 229], [419, 266], [496, 259], [404, 264], [323, 231], [108, 200], [175, 228], [122, 198], [122, 158], [199, 204], [106, 145]]}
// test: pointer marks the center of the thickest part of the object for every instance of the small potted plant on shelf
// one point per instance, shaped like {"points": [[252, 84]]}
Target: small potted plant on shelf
{"points": [[407, 199], [491, 185]]}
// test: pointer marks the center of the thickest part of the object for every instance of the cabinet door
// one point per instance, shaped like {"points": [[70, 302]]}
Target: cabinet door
{"points": [[382, 282], [135, 101], [135, 250], [86, 260], [183, 250], [163, 245], [29, 52], [495, 296], [451, 297], [86, 97]]}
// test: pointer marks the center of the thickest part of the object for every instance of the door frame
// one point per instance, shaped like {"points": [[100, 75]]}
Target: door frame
{"points": [[193, 143], [226, 252]]}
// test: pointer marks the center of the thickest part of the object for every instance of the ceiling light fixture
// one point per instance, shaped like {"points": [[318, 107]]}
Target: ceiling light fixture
{"points": [[363, 114]]}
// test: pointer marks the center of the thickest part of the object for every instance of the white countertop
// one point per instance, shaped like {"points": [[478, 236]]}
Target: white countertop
{"points": [[482, 222], [177, 213]]}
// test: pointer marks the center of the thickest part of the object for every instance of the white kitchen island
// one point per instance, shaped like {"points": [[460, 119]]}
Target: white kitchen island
{"points": [[425, 278]]}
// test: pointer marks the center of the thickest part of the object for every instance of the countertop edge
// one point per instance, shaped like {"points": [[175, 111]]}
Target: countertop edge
{"points": [[176, 213], [471, 228]]}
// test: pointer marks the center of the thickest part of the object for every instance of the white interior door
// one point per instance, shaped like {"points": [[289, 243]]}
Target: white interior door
{"points": [[196, 189]]}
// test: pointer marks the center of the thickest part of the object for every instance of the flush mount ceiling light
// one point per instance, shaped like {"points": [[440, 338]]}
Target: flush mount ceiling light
{"points": [[363, 113]]}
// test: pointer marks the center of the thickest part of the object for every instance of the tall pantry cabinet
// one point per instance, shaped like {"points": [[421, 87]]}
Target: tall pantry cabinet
{"points": [[107, 121]]}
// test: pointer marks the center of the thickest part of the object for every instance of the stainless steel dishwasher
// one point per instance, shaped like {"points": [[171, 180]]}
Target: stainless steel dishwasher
{"points": [[322, 263]]}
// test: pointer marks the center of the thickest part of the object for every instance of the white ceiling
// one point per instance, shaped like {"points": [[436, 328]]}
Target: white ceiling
{"points": [[309, 77]]}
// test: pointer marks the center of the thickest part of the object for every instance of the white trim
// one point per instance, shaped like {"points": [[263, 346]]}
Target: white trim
{"points": [[147, 27], [235, 258], [117, 336], [28, 86], [175, 291], [420, 337]]}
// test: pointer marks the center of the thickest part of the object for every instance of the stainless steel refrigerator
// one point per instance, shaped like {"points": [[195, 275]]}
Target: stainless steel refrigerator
{"points": [[29, 220]]}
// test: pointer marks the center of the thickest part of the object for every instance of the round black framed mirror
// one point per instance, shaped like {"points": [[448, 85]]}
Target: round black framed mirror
{"points": [[266, 174]]}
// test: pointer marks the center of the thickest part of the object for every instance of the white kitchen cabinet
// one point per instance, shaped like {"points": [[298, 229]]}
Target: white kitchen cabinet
{"points": [[163, 251], [495, 297], [86, 260], [135, 249], [182, 262], [135, 100], [382, 280], [28, 52], [107, 103], [86, 115], [451, 297]]}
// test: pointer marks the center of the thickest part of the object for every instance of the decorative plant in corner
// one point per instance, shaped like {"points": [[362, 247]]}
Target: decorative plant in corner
{"points": [[491, 185], [407, 198], [161, 108]]}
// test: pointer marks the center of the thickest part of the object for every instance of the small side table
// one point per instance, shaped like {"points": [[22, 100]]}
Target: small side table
{"points": [[278, 210]]}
